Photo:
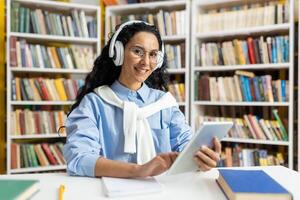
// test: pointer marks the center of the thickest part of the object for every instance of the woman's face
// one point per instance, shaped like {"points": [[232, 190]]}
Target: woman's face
{"points": [[140, 59]]}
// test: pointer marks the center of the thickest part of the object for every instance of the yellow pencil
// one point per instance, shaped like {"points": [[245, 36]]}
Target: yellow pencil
{"points": [[61, 191]]}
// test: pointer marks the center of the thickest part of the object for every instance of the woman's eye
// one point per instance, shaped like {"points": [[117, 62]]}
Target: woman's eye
{"points": [[138, 52], [153, 54]]}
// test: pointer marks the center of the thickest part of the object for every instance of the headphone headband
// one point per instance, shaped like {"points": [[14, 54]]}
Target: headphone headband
{"points": [[116, 48], [114, 38]]}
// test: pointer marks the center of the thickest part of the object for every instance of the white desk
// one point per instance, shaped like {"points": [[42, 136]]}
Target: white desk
{"points": [[185, 186]]}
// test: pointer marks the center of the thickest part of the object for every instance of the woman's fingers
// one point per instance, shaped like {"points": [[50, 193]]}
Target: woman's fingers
{"points": [[217, 146], [169, 158], [159, 164], [173, 156], [214, 155], [202, 166], [207, 158]]}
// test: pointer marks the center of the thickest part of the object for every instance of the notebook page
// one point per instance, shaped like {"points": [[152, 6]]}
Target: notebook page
{"points": [[114, 187]]}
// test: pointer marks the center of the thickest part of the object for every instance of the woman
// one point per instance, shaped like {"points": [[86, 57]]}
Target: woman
{"points": [[123, 123]]}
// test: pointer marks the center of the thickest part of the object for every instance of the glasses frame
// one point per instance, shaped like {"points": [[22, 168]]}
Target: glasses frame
{"points": [[158, 59]]}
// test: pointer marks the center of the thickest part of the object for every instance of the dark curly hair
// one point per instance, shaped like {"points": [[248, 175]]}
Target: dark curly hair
{"points": [[105, 72]]}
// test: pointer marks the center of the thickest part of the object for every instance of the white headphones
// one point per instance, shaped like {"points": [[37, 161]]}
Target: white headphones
{"points": [[116, 48]]}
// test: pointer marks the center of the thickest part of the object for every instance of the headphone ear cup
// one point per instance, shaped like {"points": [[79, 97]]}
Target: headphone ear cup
{"points": [[159, 64], [160, 60], [119, 53]]}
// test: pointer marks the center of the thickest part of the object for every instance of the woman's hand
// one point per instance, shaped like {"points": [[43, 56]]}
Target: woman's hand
{"points": [[207, 158], [157, 165]]}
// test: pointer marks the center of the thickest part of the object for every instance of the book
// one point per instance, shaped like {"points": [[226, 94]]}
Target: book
{"points": [[244, 73], [117, 187], [12, 189], [251, 185], [281, 126]]}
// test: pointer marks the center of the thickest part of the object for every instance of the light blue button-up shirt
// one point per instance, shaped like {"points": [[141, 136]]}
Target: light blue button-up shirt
{"points": [[95, 129]]}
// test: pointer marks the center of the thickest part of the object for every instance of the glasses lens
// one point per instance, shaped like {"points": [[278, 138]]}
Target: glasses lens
{"points": [[154, 56], [158, 57], [137, 51]]}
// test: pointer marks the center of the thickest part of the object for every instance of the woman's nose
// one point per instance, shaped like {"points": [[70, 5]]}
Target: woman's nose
{"points": [[146, 59]]}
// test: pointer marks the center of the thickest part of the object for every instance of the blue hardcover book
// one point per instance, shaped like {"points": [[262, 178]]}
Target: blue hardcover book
{"points": [[243, 88], [279, 49], [287, 48], [248, 90], [251, 185], [274, 51], [283, 89], [256, 89], [282, 44]]}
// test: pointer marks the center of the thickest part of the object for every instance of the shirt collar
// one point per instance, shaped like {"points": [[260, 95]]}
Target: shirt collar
{"points": [[123, 91]]}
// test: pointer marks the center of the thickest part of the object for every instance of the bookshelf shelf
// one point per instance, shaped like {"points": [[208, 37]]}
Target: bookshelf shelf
{"points": [[42, 102], [177, 36], [216, 3], [176, 71], [57, 5], [38, 169], [173, 38], [278, 28], [182, 103], [274, 66], [35, 136], [49, 70], [241, 36], [134, 8], [222, 103], [54, 66], [253, 141], [55, 38]]}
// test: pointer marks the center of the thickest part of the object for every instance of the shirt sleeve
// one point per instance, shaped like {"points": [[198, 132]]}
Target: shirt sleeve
{"points": [[82, 148], [180, 131]]}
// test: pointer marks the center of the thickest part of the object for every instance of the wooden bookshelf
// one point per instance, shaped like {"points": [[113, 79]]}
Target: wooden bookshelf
{"points": [[236, 29], [83, 34]]}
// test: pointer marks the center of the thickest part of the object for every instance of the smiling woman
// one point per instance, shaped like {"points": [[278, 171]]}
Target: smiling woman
{"points": [[124, 123]]}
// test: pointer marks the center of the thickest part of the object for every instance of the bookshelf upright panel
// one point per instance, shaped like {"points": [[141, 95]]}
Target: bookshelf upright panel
{"points": [[298, 156], [50, 48]]}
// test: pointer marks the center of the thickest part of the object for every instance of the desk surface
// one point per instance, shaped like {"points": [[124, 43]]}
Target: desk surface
{"points": [[200, 185]]}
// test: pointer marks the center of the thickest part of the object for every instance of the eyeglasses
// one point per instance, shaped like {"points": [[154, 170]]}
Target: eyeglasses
{"points": [[155, 56]]}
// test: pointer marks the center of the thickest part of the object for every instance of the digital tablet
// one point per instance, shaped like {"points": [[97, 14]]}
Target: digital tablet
{"points": [[204, 136]]}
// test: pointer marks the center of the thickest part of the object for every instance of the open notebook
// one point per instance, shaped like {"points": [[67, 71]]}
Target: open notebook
{"points": [[117, 187]]}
